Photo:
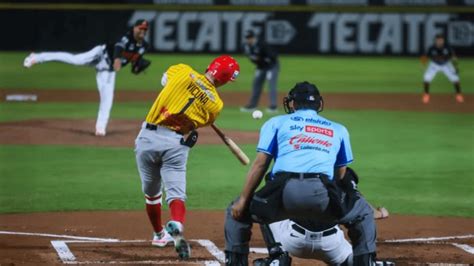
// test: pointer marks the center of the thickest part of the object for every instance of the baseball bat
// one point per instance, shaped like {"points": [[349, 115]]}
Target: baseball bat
{"points": [[243, 158]]}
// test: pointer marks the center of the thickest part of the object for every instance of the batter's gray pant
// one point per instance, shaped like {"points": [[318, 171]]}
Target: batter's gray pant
{"points": [[162, 159], [308, 199], [271, 74]]}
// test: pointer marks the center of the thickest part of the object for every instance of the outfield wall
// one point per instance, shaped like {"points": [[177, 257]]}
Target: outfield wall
{"points": [[333, 30]]}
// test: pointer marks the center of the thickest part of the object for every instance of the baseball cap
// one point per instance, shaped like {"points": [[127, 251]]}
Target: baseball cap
{"points": [[305, 92], [141, 24]]}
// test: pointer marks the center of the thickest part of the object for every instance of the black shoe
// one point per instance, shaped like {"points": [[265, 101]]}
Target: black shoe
{"points": [[183, 249], [272, 109], [236, 259], [248, 108], [283, 259]]}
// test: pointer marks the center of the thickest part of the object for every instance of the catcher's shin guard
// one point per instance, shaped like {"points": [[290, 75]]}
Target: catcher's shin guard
{"points": [[276, 255], [367, 259], [272, 246], [236, 259]]}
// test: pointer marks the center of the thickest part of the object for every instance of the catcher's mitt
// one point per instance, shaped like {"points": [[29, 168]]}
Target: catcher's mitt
{"points": [[140, 65], [424, 59]]}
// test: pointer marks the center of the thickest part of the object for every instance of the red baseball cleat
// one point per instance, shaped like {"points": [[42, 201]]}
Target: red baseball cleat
{"points": [[426, 98]]}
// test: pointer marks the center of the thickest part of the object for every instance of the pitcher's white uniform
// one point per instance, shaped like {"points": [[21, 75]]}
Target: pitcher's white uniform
{"points": [[105, 77], [329, 245], [101, 57]]}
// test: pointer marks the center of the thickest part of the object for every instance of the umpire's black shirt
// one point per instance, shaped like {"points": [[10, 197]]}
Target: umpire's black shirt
{"points": [[261, 55]]}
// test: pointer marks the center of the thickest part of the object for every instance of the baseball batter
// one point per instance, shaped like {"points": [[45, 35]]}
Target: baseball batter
{"points": [[442, 58], [309, 180], [188, 101], [107, 60]]}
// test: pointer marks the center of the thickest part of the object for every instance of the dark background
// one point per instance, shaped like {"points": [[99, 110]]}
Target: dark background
{"points": [[81, 27]]}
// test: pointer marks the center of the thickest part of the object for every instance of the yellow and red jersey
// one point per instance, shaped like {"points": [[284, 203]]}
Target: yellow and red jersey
{"points": [[188, 101]]}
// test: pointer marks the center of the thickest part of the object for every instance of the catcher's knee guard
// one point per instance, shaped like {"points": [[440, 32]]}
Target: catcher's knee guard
{"points": [[283, 259], [236, 259]]}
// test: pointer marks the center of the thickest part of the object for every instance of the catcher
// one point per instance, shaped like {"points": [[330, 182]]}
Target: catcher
{"points": [[442, 58], [107, 60], [311, 239]]}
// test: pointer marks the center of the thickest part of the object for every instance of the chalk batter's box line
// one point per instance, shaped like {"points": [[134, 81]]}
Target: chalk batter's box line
{"points": [[67, 257], [207, 262], [436, 241], [62, 248], [428, 239]]}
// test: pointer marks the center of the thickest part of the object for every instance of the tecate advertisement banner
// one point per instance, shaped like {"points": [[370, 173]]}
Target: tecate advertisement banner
{"points": [[321, 33]]}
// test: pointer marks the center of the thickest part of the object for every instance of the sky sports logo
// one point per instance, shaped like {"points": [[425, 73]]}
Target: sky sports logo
{"points": [[319, 130]]}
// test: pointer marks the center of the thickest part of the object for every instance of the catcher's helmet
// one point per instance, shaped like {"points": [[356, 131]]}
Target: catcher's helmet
{"points": [[224, 69], [304, 95]]}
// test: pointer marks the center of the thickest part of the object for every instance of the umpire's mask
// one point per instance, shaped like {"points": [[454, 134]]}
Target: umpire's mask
{"points": [[303, 95]]}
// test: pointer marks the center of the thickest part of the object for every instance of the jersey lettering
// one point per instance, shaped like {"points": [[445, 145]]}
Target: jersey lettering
{"points": [[198, 93], [188, 101]]}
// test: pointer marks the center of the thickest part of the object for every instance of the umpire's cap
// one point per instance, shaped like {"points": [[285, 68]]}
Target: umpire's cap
{"points": [[249, 34], [141, 24], [304, 92], [304, 95]]}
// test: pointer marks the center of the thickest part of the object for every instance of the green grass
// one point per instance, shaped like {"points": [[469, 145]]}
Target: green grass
{"points": [[330, 73], [413, 163], [59, 178]]}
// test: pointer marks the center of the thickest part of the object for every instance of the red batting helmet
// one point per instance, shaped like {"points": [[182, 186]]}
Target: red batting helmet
{"points": [[224, 69]]}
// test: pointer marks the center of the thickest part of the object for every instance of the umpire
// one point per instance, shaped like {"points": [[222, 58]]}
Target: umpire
{"points": [[267, 67], [308, 180]]}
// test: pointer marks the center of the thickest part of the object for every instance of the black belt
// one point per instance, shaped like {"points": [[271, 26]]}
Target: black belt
{"points": [[155, 127], [301, 175], [151, 126], [302, 231]]}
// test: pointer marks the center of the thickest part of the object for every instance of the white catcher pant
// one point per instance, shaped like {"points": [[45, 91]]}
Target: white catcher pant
{"points": [[448, 70], [96, 57], [332, 249]]}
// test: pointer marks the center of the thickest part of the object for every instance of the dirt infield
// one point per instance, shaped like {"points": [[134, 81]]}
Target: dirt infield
{"points": [[117, 229], [121, 133]]}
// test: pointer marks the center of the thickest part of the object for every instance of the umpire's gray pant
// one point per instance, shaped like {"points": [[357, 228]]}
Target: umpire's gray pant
{"points": [[271, 74], [308, 199]]}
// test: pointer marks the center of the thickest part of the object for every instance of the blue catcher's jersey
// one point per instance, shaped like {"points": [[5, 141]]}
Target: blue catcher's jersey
{"points": [[305, 142]]}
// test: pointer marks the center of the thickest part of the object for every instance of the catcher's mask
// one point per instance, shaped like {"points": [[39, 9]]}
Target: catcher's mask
{"points": [[303, 95]]}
